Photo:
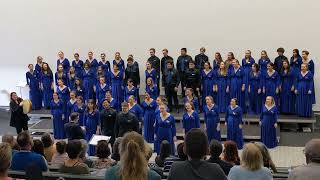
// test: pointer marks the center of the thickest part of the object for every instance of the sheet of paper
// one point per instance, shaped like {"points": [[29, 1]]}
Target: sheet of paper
{"points": [[96, 138]]}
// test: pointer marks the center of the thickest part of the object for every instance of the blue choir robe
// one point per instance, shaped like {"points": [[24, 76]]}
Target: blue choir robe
{"points": [[246, 66], [153, 74], [236, 80], [222, 98], [114, 104], [270, 84], [38, 68], [268, 118], [105, 66], [78, 66], [137, 110], [62, 76], [71, 81], [311, 69], [190, 121], [47, 92], [295, 65], [70, 107], [117, 87], [215, 64], [149, 120], [130, 92], [57, 112], [101, 90], [91, 122], [233, 120], [80, 109], [93, 65], [79, 91], [64, 95], [208, 81], [212, 120], [303, 85], [287, 96], [255, 98], [88, 83], [194, 101], [263, 63], [120, 64], [165, 129], [152, 91], [65, 63], [33, 81]]}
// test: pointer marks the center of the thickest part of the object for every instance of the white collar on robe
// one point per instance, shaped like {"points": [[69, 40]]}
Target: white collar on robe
{"points": [[269, 107], [73, 101], [304, 74], [233, 108]]}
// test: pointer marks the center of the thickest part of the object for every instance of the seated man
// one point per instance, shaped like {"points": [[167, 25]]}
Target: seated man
{"points": [[24, 158], [311, 170], [215, 152], [195, 168], [73, 129]]}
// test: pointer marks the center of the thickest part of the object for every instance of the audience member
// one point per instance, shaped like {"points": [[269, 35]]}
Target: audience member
{"points": [[83, 154], [5, 160], [311, 171], [24, 158], [37, 147], [48, 145], [215, 152], [115, 149], [7, 138], [152, 166], [267, 161], [195, 168], [73, 129], [251, 165], [103, 153], [74, 165], [60, 156], [171, 159], [230, 153], [165, 151], [133, 163]]}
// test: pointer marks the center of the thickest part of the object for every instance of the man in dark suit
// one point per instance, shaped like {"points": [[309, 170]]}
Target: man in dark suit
{"points": [[125, 121], [215, 151], [155, 62], [279, 60], [195, 168], [171, 82], [164, 61], [201, 58], [182, 66]]}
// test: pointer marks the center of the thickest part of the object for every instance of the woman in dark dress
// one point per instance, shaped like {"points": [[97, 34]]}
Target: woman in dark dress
{"points": [[19, 120]]}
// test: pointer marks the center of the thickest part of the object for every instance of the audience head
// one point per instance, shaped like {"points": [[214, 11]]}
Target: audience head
{"points": [[165, 149], [133, 160], [251, 157], [84, 149], [180, 151], [5, 158], [103, 150], [74, 117], [47, 140], [265, 153], [215, 148], [116, 149], [24, 140], [61, 147], [74, 148], [38, 147], [312, 151], [148, 151], [7, 138], [230, 152], [196, 144]]}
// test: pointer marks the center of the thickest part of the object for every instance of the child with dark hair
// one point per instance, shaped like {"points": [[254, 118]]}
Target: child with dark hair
{"points": [[103, 153]]}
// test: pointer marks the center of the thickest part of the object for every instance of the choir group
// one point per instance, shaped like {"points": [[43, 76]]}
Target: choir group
{"points": [[96, 90]]}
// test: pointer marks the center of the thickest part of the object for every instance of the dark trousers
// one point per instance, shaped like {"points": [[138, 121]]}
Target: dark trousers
{"points": [[171, 94], [22, 127], [183, 83]]}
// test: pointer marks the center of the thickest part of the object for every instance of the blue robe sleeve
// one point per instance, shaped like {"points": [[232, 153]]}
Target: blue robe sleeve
{"points": [[184, 120], [140, 113], [261, 114], [27, 79], [275, 115], [239, 111], [173, 126], [156, 126], [278, 80], [311, 83], [85, 116], [227, 114], [97, 114], [51, 108], [197, 119], [216, 109]]}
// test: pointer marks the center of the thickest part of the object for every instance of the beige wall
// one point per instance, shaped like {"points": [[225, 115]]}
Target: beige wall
{"points": [[43, 27]]}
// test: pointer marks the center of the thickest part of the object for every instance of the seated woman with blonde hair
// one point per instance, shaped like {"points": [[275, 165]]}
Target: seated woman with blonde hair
{"points": [[133, 163], [251, 165]]}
